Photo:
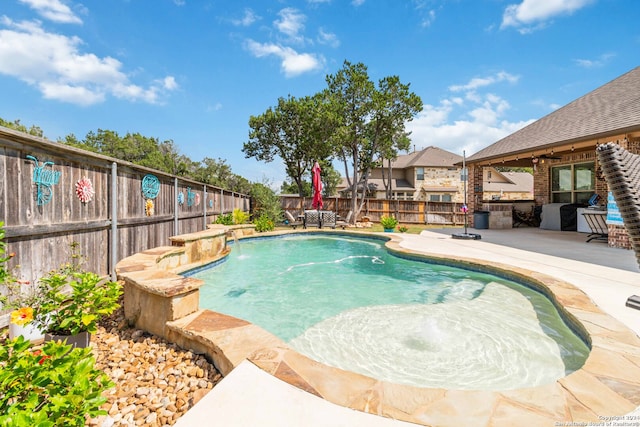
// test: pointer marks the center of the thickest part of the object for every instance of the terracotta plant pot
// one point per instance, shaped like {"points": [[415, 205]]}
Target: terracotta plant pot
{"points": [[80, 340]]}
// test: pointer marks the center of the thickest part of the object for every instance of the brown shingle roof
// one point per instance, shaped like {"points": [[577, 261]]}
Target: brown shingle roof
{"points": [[428, 157], [608, 110]]}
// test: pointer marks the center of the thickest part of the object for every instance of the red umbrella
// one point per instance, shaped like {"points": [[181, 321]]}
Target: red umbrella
{"points": [[317, 186]]}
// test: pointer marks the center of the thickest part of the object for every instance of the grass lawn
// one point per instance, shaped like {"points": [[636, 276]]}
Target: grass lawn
{"points": [[411, 228]]}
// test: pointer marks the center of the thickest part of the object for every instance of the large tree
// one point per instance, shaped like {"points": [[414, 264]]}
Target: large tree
{"points": [[368, 123], [295, 131]]}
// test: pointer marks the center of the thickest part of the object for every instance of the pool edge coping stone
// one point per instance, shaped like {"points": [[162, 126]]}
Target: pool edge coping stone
{"points": [[576, 395]]}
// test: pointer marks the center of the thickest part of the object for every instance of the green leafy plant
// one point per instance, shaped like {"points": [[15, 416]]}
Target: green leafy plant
{"points": [[226, 219], [51, 386], [65, 312], [264, 223], [388, 222], [240, 216], [403, 228]]}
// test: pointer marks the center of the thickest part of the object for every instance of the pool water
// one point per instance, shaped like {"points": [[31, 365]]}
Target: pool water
{"points": [[348, 303]]}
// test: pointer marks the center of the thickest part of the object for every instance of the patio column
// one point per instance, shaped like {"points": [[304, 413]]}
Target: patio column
{"points": [[474, 190]]}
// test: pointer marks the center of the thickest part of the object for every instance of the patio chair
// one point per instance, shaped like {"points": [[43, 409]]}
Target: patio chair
{"points": [[311, 218], [597, 222], [328, 219], [621, 169], [292, 222], [346, 222]]}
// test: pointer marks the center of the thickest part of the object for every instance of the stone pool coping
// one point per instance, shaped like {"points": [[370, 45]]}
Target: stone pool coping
{"points": [[608, 385]]}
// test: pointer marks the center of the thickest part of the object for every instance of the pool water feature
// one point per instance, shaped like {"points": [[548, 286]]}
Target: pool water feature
{"points": [[349, 303]]}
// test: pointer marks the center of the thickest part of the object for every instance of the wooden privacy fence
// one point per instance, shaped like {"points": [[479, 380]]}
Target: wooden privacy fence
{"points": [[53, 196], [406, 211]]}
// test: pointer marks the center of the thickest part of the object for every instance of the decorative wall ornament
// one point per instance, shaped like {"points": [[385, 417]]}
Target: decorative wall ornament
{"points": [[150, 186], [149, 207], [84, 190], [210, 203], [191, 197], [197, 199], [44, 178], [181, 198]]}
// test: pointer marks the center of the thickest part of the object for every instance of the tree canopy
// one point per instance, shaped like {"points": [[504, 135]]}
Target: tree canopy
{"points": [[353, 120], [295, 132]]}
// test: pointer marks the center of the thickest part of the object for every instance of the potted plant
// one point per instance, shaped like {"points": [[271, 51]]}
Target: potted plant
{"points": [[73, 304], [388, 223]]}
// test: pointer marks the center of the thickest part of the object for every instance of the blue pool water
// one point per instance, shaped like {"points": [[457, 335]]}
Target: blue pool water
{"points": [[348, 303]]}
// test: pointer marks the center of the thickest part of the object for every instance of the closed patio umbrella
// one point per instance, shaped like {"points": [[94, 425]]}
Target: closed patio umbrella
{"points": [[317, 186]]}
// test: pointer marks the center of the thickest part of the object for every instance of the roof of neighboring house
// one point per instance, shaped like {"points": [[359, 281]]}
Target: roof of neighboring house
{"points": [[521, 182], [428, 157], [610, 109], [376, 184]]}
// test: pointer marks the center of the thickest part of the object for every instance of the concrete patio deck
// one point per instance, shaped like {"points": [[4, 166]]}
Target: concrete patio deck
{"points": [[251, 396]]}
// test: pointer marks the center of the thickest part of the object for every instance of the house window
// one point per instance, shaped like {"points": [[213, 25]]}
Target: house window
{"points": [[572, 183], [446, 197], [420, 174], [434, 197]]}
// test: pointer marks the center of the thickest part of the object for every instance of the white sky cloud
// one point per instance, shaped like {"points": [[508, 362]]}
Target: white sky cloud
{"points": [[247, 19], [54, 64], [291, 23], [467, 123], [53, 10], [328, 38], [598, 62], [533, 14], [292, 62]]}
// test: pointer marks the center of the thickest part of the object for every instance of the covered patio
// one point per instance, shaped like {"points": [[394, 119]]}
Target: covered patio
{"points": [[560, 149], [570, 245]]}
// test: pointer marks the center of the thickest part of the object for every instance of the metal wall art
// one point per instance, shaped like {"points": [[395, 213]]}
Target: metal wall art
{"points": [[181, 198], [44, 178], [150, 186], [191, 197], [149, 207], [84, 190]]}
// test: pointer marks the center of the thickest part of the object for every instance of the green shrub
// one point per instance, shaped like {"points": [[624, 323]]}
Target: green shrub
{"points": [[226, 219], [388, 222], [52, 386], [91, 298], [264, 223], [240, 216]]}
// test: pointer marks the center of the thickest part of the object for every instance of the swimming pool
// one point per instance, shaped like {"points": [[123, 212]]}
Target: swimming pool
{"points": [[347, 302]]}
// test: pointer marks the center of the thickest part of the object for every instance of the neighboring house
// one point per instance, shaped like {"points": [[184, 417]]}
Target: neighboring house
{"points": [[430, 174], [561, 147], [507, 185]]}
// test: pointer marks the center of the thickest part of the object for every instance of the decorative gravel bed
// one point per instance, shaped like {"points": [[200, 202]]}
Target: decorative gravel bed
{"points": [[155, 381]]}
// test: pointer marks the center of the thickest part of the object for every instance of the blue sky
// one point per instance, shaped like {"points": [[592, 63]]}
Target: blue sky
{"points": [[194, 71]]}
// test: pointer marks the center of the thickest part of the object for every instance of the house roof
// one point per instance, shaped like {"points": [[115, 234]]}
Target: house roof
{"points": [[376, 184], [610, 109], [428, 157], [521, 182]]}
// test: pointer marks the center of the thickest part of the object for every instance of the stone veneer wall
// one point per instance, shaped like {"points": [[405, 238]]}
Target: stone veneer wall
{"points": [[500, 215], [154, 290]]}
